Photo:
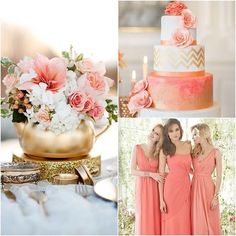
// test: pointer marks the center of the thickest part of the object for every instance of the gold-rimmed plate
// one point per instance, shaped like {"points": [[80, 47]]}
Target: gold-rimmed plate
{"points": [[107, 189]]}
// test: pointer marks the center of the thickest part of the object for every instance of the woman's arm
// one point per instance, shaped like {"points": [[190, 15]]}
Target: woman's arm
{"points": [[218, 159], [134, 170], [162, 165]]}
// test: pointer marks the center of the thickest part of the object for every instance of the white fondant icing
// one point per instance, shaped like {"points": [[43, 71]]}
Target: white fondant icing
{"points": [[213, 111], [177, 59], [169, 24]]}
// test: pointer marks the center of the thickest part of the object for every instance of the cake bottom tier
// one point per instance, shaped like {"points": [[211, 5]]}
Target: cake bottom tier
{"points": [[213, 111], [180, 93]]}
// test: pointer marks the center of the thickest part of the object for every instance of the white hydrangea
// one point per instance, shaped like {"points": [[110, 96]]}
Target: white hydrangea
{"points": [[40, 96], [65, 119], [71, 83]]}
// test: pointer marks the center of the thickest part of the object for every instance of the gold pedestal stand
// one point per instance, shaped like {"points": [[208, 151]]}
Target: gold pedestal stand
{"points": [[51, 167]]}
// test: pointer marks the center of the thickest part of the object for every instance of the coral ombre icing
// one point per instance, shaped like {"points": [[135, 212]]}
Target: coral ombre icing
{"points": [[175, 93]]}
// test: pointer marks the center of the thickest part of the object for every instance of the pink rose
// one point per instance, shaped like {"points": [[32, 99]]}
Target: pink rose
{"points": [[10, 82], [97, 111], [88, 105], [139, 86], [189, 20], [85, 65], [42, 116], [51, 72], [138, 101], [26, 64], [182, 38], [77, 100], [175, 8]]}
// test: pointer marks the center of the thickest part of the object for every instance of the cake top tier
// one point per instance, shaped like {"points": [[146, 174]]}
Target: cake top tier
{"points": [[178, 27]]}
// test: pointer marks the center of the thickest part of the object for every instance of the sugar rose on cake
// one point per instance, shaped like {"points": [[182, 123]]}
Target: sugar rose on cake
{"points": [[56, 94]]}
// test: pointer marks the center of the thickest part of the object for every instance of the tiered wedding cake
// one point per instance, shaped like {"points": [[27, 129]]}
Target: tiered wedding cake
{"points": [[179, 84]]}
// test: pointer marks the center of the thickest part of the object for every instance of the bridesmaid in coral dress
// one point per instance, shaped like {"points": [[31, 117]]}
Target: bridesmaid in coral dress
{"points": [[175, 193], [145, 167], [204, 193]]}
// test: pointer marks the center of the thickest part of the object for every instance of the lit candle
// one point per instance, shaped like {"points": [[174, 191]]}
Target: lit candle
{"points": [[133, 79], [145, 67]]}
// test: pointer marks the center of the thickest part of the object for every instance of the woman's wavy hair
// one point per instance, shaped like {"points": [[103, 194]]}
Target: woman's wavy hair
{"points": [[168, 147], [204, 131], [158, 145]]}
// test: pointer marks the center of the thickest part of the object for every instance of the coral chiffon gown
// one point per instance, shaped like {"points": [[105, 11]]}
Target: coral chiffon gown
{"points": [[147, 213], [177, 196], [204, 220]]}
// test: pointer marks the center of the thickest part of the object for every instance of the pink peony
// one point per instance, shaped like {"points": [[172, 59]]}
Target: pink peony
{"points": [[85, 65], [138, 101], [10, 82], [96, 81], [182, 38], [42, 116], [51, 72], [189, 20], [77, 100], [175, 8], [97, 111]]}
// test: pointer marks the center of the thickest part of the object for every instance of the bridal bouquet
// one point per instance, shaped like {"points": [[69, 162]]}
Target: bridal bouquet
{"points": [[56, 94]]}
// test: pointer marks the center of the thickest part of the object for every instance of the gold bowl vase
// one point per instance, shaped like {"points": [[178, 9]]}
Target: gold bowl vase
{"points": [[46, 144]]}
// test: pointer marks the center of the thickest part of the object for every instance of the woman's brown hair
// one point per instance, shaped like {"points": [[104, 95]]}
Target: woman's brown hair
{"points": [[168, 147], [204, 131]]}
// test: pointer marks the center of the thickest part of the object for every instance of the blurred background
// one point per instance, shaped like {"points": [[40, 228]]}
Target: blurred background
{"points": [[50, 27], [139, 31], [136, 131]]}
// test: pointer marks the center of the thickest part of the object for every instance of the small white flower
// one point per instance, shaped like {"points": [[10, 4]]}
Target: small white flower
{"points": [[40, 96], [25, 77]]}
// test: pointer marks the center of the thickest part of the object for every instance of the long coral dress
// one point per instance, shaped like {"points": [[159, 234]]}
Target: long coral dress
{"points": [[204, 220], [147, 212], [177, 196]]}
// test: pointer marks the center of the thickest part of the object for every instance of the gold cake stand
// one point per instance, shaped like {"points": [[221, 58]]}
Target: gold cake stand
{"points": [[51, 167]]}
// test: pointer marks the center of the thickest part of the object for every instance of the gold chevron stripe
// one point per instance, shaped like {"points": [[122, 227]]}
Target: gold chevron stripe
{"points": [[175, 59]]}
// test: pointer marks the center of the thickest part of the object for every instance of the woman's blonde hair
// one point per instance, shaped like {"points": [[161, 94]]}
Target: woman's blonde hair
{"points": [[160, 142], [204, 131]]}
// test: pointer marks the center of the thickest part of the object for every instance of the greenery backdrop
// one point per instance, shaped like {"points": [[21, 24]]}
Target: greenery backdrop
{"points": [[134, 131]]}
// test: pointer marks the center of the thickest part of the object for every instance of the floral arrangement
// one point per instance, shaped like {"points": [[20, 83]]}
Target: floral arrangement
{"points": [[182, 36], [139, 97], [56, 94]]}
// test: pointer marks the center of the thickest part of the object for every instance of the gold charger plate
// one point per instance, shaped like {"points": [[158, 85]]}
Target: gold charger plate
{"points": [[107, 189]]}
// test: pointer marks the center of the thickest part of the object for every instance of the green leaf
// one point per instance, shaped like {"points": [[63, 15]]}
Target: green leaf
{"points": [[5, 113], [80, 57], [6, 62], [11, 69], [66, 54], [73, 68], [18, 117], [108, 101]]}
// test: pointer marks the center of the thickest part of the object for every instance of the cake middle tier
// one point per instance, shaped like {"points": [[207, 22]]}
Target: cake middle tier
{"points": [[169, 60], [186, 93]]}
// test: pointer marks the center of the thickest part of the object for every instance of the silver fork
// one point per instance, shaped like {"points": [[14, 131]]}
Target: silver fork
{"points": [[82, 190], [40, 197]]}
